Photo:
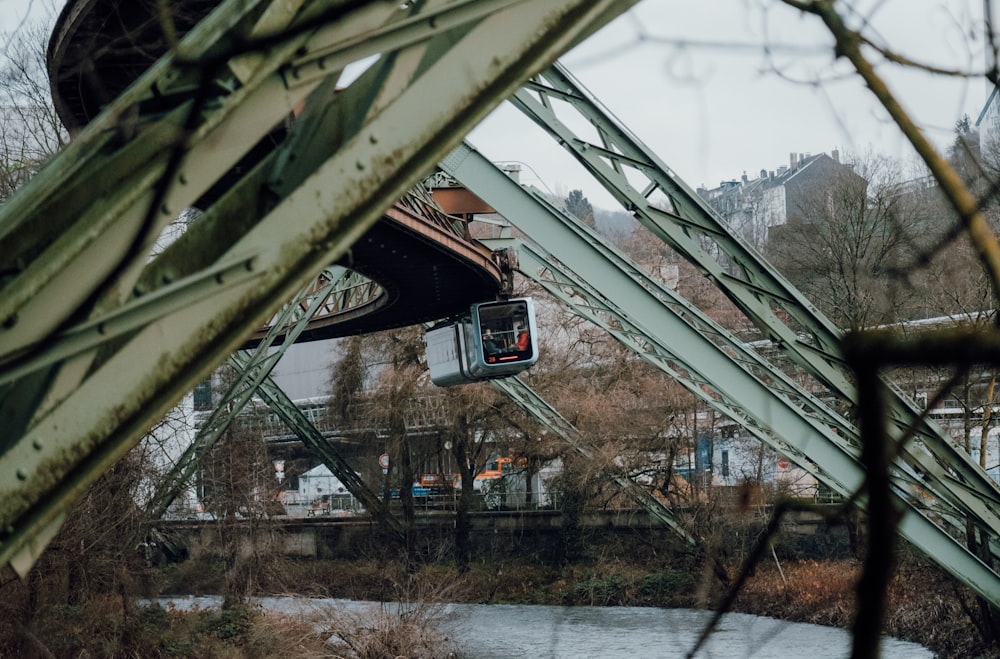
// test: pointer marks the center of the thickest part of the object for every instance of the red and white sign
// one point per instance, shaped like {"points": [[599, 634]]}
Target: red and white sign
{"points": [[383, 460]]}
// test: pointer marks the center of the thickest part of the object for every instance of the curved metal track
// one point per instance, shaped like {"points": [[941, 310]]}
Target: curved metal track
{"points": [[424, 272], [101, 330], [426, 269]]}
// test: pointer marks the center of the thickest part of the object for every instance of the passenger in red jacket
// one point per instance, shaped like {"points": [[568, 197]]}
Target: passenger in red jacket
{"points": [[522, 343]]}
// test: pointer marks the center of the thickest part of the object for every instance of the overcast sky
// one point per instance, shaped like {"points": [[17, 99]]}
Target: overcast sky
{"points": [[691, 79]]}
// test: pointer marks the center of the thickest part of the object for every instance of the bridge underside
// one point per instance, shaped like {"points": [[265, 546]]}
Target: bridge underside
{"points": [[426, 271], [103, 332]]}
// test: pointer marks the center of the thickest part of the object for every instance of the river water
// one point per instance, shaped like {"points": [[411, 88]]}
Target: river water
{"points": [[500, 631]]}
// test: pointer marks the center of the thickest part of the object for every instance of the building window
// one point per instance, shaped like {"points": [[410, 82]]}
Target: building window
{"points": [[203, 395]]}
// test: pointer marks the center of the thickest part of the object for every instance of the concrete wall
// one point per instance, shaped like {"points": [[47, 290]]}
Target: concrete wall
{"points": [[495, 534]]}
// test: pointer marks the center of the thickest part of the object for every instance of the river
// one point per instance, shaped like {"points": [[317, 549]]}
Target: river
{"points": [[501, 631]]}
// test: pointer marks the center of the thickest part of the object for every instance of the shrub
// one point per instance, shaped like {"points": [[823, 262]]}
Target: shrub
{"points": [[388, 631], [665, 586]]}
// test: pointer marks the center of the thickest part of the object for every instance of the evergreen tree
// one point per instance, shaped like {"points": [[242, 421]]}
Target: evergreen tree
{"points": [[580, 206]]}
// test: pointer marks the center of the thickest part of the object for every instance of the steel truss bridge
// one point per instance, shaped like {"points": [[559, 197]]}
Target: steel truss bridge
{"points": [[102, 330]]}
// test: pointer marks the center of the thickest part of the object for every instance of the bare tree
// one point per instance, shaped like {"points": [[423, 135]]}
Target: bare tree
{"points": [[394, 360], [847, 238], [239, 490], [474, 420], [30, 130]]}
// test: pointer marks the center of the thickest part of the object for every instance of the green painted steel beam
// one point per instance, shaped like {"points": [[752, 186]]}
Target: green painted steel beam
{"points": [[87, 257], [250, 372], [312, 438], [633, 174], [529, 400], [702, 364]]}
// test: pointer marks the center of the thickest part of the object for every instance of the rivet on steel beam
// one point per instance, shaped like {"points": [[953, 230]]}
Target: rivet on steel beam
{"points": [[372, 139], [22, 475], [36, 444], [360, 165], [10, 321]]}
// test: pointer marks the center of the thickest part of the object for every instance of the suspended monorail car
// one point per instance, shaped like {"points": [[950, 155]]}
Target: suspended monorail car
{"points": [[495, 340]]}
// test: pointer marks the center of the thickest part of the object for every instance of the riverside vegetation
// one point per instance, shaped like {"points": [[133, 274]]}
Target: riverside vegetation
{"points": [[630, 569], [924, 604]]}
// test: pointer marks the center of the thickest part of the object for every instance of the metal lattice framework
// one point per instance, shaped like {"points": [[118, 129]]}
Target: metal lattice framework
{"points": [[578, 268], [635, 176], [252, 369], [75, 242], [98, 337]]}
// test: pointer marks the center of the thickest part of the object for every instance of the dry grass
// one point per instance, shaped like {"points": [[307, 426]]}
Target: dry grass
{"points": [[390, 630], [820, 593], [922, 604], [101, 628]]}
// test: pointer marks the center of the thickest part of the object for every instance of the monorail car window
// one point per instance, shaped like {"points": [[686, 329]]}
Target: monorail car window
{"points": [[505, 331]]}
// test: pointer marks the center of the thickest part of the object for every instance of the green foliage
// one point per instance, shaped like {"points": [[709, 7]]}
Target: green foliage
{"points": [[661, 586], [229, 624], [580, 206], [963, 126], [161, 633], [607, 585], [348, 378]]}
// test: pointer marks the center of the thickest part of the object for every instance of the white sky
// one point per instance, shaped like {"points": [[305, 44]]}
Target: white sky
{"points": [[691, 80], [716, 107]]}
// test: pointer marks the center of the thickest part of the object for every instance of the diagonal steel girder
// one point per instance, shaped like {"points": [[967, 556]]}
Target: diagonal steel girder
{"points": [[78, 236], [312, 438], [253, 368], [588, 302], [286, 409], [683, 349], [250, 372], [634, 175], [529, 400]]}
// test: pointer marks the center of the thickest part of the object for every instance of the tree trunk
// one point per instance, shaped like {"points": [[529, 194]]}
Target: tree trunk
{"points": [[987, 413], [406, 477], [463, 530], [530, 469]]}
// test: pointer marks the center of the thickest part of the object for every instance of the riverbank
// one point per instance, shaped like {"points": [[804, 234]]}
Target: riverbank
{"points": [[806, 577], [923, 605]]}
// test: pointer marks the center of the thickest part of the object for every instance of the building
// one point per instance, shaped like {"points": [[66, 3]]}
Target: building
{"points": [[320, 492], [753, 207]]}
